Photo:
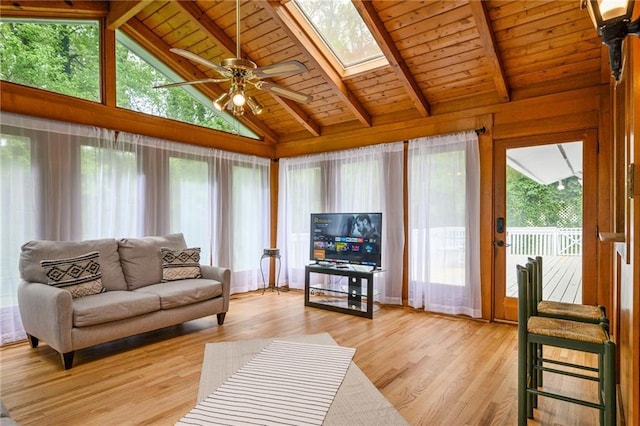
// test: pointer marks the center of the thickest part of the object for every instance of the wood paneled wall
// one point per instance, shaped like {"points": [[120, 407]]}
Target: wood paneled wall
{"points": [[627, 257]]}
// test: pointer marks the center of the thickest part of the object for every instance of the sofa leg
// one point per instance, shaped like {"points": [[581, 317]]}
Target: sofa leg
{"points": [[67, 360], [33, 341], [221, 318]]}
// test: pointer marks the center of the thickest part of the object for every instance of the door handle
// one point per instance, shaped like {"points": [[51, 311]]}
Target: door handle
{"points": [[500, 243]]}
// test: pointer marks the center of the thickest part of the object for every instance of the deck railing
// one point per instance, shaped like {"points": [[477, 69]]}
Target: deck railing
{"points": [[545, 241]]}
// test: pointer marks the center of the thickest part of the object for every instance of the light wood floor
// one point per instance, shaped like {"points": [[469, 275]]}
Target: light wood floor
{"points": [[435, 369]]}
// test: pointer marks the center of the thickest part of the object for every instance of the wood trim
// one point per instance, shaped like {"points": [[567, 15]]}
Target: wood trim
{"points": [[514, 119], [108, 66], [595, 295], [54, 9], [39, 103], [486, 147]]}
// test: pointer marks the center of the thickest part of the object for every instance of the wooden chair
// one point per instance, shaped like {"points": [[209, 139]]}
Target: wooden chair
{"points": [[535, 331], [563, 310]]}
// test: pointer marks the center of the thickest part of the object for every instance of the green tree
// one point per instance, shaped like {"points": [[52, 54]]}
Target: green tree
{"points": [[62, 58], [532, 204], [135, 81], [65, 58]]}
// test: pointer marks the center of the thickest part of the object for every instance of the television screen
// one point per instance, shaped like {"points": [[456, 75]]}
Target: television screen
{"points": [[346, 238]]}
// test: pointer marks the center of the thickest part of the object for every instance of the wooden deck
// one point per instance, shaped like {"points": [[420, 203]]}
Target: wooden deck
{"points": [[562, 277]]}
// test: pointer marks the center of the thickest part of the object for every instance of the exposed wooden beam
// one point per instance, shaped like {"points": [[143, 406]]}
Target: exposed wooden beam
{"points": [[387, 45], [157, 47], [488, 40], [282, 16], [54, 9], [208, 27], [121, 11]]}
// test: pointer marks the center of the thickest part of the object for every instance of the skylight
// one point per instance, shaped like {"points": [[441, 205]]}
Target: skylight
{"points": [[343, 31]]}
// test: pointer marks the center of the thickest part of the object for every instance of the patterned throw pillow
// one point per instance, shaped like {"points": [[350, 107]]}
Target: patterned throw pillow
{"points": [[180, 264], [80, 275]]}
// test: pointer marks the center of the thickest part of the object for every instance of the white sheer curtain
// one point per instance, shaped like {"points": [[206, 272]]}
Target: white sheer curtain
{"points": [[361, 180], [67, 182], [217, 199], [41, 166], [444, 211]]}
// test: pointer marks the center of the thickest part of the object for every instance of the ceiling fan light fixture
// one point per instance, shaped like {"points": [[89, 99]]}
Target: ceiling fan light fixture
{"points": [[239, 98], [255, 106], [238, 110], [221, 101], [240, 72]]}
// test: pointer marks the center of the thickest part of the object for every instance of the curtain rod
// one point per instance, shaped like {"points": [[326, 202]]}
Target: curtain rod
{"points": [[481, 131]]}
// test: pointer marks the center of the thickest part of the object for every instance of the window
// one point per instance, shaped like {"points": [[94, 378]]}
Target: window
{"points": [[109, 194], [138, 72], [248, 216], [356, 194], [353, 181], [58, 56], [343, 32], [16, 226], [306, 196], [63, 56], [189, 203], [444, 218]]}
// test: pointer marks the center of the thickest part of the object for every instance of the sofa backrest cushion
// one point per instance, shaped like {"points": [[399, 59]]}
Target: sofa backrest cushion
{"points": [[141, 258], [34, 252]]}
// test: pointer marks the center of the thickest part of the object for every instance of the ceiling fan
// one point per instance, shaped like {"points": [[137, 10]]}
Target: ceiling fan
{"points": [[242, 72]]}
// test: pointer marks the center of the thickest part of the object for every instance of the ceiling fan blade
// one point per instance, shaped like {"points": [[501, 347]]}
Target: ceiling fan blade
{"points": [[202, 61], [185, 83], [281, 69], [284, 92]]}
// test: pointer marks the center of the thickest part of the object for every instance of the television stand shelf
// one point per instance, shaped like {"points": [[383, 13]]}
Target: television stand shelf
{"points": [[352, 298]]}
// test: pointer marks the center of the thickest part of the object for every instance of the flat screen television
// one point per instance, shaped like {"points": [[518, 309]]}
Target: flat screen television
{"points": [[346, 238]]}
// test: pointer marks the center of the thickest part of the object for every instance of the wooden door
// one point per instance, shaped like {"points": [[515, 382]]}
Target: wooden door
{"points": [[532, 175]]}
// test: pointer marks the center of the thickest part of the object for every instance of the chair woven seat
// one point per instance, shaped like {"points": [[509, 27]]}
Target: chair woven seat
{"points": [[565, 329], [561, 309]]}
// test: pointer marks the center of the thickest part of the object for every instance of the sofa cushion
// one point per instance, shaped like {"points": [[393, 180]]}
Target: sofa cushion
{"points": [[79, 275], [33, 252], [180, 264], [112, 306], [183, 292], [141, 260]]}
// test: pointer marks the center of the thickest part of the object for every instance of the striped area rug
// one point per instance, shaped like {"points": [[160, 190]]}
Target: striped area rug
{"points": [[287, 383]]}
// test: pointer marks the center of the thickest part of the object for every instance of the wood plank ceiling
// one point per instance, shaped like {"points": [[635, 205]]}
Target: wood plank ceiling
{"points": [[444, 56]]}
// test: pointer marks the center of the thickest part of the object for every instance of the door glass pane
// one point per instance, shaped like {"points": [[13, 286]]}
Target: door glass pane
{"points": [[544, 217]]}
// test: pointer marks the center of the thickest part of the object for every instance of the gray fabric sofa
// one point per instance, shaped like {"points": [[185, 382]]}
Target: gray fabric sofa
{"points": [[134, 299]]}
